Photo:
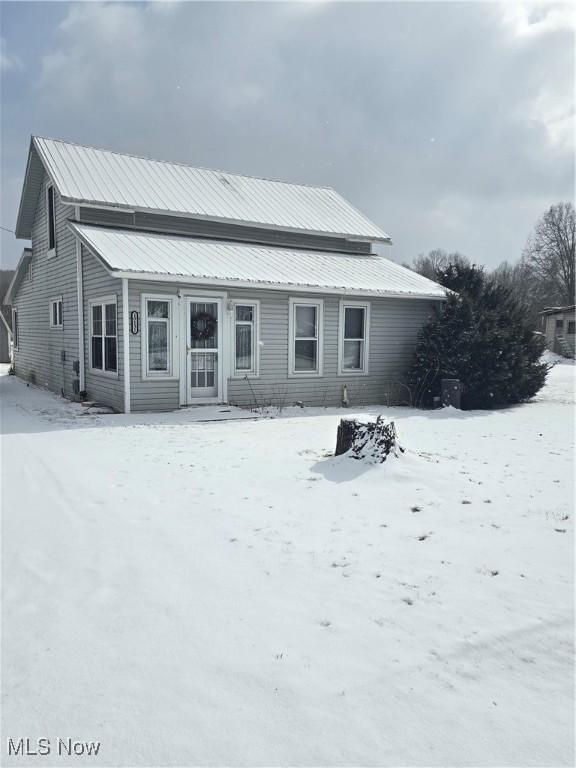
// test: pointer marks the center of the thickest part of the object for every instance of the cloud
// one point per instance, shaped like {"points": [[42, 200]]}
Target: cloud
{"points": [[8, 62], [449, 124]]}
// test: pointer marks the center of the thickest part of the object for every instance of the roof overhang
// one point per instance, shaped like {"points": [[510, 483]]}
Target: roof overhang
{"points": [[217, 219], [23, 265], [35, 171]]}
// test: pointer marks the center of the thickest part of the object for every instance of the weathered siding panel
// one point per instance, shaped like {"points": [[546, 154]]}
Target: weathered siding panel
{"points": [[394, 324], [219, 231], [146, 395], [98, 284], [46, 355]]}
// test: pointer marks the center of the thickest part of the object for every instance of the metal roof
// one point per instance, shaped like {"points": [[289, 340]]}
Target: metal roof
{"points": [[85, 175], [129, 253], [557, 310]]}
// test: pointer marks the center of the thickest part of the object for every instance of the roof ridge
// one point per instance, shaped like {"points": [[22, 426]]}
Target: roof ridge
{"points": [[187, 165]]}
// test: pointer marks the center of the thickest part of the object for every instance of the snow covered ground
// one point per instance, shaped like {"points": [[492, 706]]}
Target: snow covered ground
{"points": [[227, 593]]}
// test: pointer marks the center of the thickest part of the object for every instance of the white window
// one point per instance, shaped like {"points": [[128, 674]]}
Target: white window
{"points": [[15, 328], [51, 214], [305, 332], [158, 337], [104, 336], [245, 335], [56, 318], [353, 337]]}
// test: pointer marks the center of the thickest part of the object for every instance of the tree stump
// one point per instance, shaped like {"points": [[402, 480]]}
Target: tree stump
{"points": [[373, 440]]}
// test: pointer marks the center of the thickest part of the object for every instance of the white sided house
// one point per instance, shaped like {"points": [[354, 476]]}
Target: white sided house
{"points": [[152, 285]]}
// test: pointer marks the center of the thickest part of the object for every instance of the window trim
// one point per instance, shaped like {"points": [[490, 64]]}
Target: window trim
{"points": [[57, 300], [15, 330], [102, 301], [365, 370], [294, 302], [172, 373], [51, 220], [254, 371]]}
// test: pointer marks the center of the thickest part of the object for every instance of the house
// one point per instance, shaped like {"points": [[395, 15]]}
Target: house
{"points": [[151, 285], [559, 327]]}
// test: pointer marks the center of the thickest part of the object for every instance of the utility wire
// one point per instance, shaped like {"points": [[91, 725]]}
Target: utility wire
{"points": [[7, 230]]}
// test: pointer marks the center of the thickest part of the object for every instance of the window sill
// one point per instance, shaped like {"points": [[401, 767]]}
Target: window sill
{"points": [[305, 375], [56, 327], [160, 377], [104, 374], [244, 375], [51, 253], [353, 373]]}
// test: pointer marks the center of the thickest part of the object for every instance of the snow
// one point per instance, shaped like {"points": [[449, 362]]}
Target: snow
{"points": [[228, 593]]}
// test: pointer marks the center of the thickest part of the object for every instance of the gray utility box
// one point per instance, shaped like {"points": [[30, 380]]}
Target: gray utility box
{"points": [[452, 392]]}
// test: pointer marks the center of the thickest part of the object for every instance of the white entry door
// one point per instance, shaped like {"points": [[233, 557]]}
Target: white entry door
{"points": [[204, 350]]}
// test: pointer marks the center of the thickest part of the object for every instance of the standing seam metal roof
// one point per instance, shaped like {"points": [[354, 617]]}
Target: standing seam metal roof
{"points": [[198, 259], [88, 175]]}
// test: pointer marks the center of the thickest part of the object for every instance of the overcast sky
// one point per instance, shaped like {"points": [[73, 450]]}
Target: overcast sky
{"points": [[449, 124]]}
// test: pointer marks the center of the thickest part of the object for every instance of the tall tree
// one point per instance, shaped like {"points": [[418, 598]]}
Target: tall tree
{"points": [[436, 261], [550, 251]]}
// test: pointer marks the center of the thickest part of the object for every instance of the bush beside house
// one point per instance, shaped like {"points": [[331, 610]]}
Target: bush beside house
{"points": [[481, 337]]}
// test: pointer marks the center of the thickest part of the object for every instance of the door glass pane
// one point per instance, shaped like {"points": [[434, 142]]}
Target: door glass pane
{"points": [[305, 355], [305, 321], [243, 347], [97, 320], [354, 323], [110, 353], [158, 309], [203, 325], [111, 320], [97, 352], [157, 345], [353, 353]]}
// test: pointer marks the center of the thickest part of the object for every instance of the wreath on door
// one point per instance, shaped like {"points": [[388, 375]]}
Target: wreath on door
{"points": [[202, 326]]}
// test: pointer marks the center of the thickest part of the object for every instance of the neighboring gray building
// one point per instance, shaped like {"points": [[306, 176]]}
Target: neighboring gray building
{"points": [[559, 327], [152, 285], [5, 334]]}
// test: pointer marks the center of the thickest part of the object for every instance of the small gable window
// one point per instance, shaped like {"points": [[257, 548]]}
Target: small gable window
{"points": [[15, 334], [56, 320], [51, 220]]}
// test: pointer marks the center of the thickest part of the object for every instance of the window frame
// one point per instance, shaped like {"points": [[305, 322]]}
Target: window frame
{"points": [[51, 221], [365, 370], [568, 324], [102, 302], [15, 330], [57, 300], [173, 353], [294, 302], [254, 371]]}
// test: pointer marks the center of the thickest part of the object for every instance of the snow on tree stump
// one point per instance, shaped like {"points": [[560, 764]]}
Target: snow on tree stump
{"points": [[373, 440]]}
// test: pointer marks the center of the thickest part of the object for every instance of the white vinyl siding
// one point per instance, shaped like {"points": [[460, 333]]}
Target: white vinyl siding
{"points": [[306, 331], [159, 337], [353, 335]]}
